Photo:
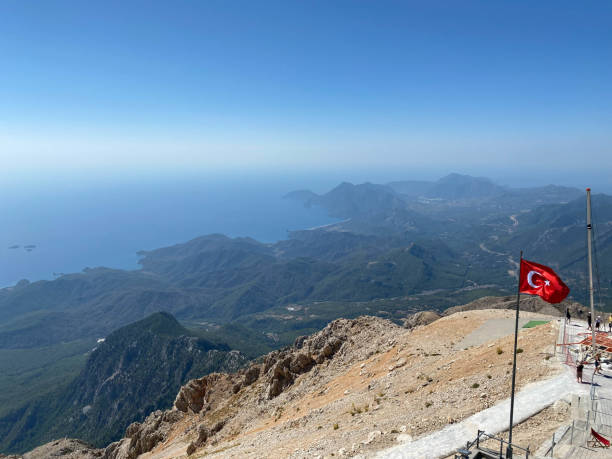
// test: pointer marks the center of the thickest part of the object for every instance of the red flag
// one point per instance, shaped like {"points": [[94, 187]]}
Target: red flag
{"points": [[537, 279]]}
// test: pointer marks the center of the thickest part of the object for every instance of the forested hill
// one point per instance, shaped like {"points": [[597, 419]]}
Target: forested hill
{"points": [[136, 370]]}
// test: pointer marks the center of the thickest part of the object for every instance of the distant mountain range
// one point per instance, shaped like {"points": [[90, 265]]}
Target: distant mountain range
{"points": [[399, 240], [399, 248]]}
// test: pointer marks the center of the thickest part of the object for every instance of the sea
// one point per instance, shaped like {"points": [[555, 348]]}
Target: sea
{"points": [[57, 224], [55, 227]]}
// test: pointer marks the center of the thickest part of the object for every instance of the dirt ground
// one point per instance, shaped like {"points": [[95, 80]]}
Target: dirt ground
{"points": [[385, 384]]}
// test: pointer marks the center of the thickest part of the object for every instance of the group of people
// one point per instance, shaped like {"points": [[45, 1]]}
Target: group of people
{"points": [[598, 325], [598, 321]]}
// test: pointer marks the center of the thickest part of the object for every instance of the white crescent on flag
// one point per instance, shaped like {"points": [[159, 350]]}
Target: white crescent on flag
{"points": [[530, 279]]}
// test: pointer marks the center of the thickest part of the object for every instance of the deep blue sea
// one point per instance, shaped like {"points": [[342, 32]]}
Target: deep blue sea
{"points": [[75, 224]]}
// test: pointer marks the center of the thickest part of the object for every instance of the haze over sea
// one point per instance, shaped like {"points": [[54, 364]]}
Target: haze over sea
{"points": [[79, 223]]}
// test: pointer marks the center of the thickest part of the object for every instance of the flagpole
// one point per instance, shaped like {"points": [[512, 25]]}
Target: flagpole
{"points": [[589, 228], [518, 299]]}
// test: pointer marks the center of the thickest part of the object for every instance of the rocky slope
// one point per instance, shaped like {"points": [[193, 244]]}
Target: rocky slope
{"points": [[353, 388]]}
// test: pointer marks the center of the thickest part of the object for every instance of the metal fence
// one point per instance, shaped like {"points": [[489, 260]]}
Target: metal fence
{"points": [[598, 416], [483, 436]]}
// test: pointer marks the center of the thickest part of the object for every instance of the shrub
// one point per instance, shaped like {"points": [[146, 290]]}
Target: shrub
{"points": [[355, 410], [500, 351], [336, 426], [475, 385]]}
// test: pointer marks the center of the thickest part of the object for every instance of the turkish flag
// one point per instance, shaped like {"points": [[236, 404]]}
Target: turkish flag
{"points": [[537, 279]]}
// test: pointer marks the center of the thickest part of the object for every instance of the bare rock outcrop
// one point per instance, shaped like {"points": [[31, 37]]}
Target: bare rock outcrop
{"points": [[191, 395], [204, 393], [143, 437], [421, 318], [281, 368], [212, 397], [251, 375], [204, 433]]}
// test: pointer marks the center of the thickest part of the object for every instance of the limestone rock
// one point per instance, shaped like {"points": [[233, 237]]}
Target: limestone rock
{"points": [[251, 375], [421, 318], [143, 437], [191, 396], [199, 394]]}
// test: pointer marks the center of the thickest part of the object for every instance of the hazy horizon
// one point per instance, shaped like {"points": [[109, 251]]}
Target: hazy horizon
{"points": [[317, 180], [103, 222]]}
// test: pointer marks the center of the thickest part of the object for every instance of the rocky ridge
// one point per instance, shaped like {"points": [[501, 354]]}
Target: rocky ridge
{"points": [[353, 388], [212, 397]]}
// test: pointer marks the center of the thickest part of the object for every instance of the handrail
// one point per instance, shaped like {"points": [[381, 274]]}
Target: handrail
{"points": [[482, 433]]}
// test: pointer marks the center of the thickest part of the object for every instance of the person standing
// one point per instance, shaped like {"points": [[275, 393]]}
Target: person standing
{"points": [[610, 324], [569, 317], [597, 323], [589, 320], [579, 369]]}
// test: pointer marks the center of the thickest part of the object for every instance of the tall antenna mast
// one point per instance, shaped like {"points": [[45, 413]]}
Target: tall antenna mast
{"points": [[589, 236]]}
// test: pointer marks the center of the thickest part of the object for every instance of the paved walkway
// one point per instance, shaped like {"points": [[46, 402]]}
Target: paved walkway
{"points": [[529, 401], [492, 329]]}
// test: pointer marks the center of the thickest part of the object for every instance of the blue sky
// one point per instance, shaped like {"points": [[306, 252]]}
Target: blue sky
{"points": [[304, 85]]}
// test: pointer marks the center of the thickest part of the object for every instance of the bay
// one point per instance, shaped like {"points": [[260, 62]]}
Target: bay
{"points": [[63, 227]]}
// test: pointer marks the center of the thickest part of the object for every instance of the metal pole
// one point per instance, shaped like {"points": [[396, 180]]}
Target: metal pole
{"points": [[564, 332], [518, 300], [589, 229], [552, 447]]}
